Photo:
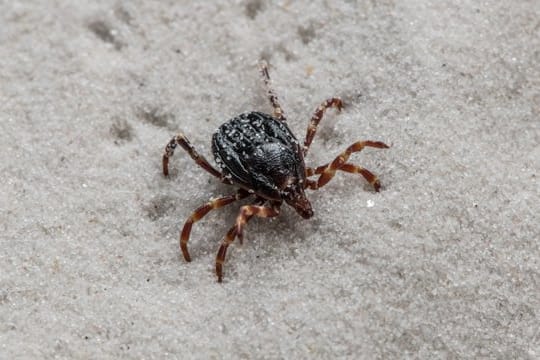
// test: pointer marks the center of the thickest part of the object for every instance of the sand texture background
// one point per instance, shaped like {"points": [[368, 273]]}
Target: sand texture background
{"points": [[443, 263]]}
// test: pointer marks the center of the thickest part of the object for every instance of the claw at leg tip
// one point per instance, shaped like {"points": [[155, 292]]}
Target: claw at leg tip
{"points": [[187, 257]]}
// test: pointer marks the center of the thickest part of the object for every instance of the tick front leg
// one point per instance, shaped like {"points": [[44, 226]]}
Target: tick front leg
{"points": [[316, 119], [278, 111], [201, 212], [181, 140], [347, 167], [328, 171], [246, 213]]}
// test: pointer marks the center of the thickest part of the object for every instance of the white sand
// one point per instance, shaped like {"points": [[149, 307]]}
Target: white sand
{"points": [[443, 263]]}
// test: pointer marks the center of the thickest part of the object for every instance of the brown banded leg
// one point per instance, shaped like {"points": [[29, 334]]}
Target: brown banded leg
{"points": [[202, 211], [246, 213], [278, 111], [258, 201], [328, 171], [181, 140], [347, 167], [316, 119]]}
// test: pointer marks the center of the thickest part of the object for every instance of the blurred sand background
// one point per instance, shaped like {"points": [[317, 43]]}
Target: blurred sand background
{"points": [[443, 263]]}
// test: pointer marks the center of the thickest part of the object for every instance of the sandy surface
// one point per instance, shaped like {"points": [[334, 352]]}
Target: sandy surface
{"points": [[443, 263]]}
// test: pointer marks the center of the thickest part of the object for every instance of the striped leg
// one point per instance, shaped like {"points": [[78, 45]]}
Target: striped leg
{"points": [[328, 171], [316, 119], [246, 213], [202, 211], [258, 201], [347, 167], [278, 111], [181, 140]]}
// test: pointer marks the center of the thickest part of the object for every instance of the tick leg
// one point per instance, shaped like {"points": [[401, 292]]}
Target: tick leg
{"points": [[328, 171], [347, 167], [278, 111], [181, 140], [316, 119], [258, 201], [202, 211], [246, 213]]}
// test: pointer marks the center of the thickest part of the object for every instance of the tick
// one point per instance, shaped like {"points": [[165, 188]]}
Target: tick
{"points": [[258, 154]]}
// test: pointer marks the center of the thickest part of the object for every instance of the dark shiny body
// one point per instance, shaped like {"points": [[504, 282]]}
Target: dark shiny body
{"points": [[260, 154]]}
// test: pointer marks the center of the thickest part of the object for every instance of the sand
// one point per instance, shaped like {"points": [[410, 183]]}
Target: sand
{"points": [[443, 263]]}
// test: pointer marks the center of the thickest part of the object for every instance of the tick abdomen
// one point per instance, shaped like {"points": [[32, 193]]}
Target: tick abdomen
{"points": [[254, 143], [248, 130]]}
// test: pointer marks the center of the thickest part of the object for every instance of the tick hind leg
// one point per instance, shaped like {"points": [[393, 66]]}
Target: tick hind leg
{"points": [[201, 212], [278, 111], [316, 119], [181, 140], [245, 214], [328, 171]]}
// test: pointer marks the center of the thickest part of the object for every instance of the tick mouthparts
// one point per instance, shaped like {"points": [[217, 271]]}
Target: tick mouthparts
{"points": [[302, 206], [305, 213]]}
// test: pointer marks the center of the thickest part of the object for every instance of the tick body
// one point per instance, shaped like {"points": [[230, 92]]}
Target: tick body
{"points": [[258, 153]]}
